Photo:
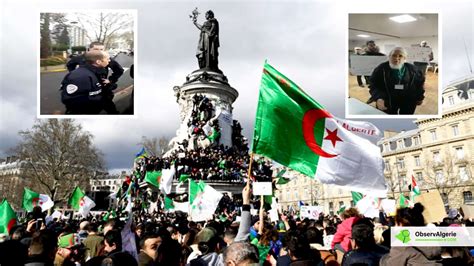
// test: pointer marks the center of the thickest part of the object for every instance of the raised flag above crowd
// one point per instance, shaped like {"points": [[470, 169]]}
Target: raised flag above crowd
{"points": [[296, 131], [32, 199]]}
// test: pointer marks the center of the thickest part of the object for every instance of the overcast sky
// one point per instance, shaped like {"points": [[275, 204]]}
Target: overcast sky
{"points": [[305, 40]]}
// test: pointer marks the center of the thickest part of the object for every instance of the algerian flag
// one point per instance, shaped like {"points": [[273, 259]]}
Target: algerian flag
{"points": [[294, 130], [153, 177], [281, 178], [168, 203], [203, 200], [404, 202], [214, 134], [167, 179], [184, 177], [356, 196], [32, 199], [368, 206], [414, 187], [7, 217], [80, 202]]}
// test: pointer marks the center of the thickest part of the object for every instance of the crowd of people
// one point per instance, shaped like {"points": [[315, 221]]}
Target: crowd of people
{"points": [[233, 238]]}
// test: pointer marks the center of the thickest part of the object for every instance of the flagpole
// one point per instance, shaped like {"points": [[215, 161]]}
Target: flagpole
{"points": [[249, 171]]}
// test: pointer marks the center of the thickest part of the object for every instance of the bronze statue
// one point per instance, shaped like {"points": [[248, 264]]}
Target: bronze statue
{"points": [[207, 52]]}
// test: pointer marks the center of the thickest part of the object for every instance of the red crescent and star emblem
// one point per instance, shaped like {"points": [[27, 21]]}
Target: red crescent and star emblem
{"points": [[309, 120]]}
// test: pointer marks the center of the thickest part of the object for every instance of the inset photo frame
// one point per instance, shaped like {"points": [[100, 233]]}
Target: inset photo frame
{"points": [[393, 65], [86, 63]]}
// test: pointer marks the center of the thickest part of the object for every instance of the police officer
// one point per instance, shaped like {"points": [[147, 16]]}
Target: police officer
{"points": [[108, 83], [81, 89]]}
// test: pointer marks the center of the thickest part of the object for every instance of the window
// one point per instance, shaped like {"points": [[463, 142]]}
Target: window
{"points": [[416, 140], [386, 147], [439, 177], [296, 195], [436, 157], [341, 203], [404, 181], [455, 130], [419, 179], [451, 100], [288, 195], [387, 166], [331, 206], [401, 163], [352, 203], [433, 135], [401, 145], [459, 153], [417, 160], [463, 173], [467, 195]]}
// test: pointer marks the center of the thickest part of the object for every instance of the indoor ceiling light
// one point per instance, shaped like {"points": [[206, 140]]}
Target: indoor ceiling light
{"points": [[363, 35], [403, 18]]}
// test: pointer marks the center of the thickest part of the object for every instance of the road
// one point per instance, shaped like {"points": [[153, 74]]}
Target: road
{"points": [[50, 82]]}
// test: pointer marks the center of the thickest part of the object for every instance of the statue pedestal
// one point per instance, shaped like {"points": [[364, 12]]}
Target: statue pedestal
{"points": [[214, 85]]}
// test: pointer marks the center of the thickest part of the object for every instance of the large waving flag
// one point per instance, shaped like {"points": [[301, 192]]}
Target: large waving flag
{"points": [[80, 202], [141, 154], [203, 200], [414, 187], [7, 217], [296, 131], [32, 199]]}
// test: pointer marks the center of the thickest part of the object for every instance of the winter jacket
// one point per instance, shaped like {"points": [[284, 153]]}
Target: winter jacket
{"points": [[343, 234], [412, 256], [366, 257]]}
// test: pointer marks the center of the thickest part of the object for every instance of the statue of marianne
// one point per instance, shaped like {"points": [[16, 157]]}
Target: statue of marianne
{"points": [[207, 49]]}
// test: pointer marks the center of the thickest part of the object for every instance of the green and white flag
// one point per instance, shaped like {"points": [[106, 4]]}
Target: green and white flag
{"points": [[167, 176], [203, 200], [281, 179], [153, 177], [7, 217], [168, 203], [296, 131], [32, 199], [80, 202]]}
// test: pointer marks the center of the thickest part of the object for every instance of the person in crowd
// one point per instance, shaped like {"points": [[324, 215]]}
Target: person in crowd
{"points": [[397, 86], [341, 240], [93, 241], [364, 249], [81, 90], [149, 244], [423, 65], [240, 254]]}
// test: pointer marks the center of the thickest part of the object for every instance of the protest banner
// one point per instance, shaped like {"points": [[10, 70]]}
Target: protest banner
{"points": [[262, 188], [418, 54], [310, 212], [364, 65], [434, 206]]}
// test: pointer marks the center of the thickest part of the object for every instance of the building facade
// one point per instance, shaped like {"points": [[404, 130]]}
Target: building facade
{"points": [[439, 154], [102, 187]]}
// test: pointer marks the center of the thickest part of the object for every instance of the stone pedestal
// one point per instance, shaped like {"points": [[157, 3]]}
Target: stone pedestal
{"points": [[214, 85]]}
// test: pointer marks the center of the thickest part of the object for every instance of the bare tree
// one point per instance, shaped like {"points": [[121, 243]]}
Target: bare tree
{"points": [[105, 26], [155, 146], [443, 175], [392, 179], [57, 20], [58, 155]]}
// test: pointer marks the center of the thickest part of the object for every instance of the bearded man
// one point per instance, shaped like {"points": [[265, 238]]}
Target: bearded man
{"points": [[397, 86]]}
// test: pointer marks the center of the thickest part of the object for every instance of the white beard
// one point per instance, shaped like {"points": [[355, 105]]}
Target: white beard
{"points": [[399, 66]]}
